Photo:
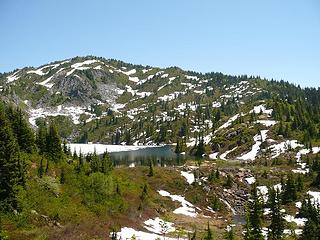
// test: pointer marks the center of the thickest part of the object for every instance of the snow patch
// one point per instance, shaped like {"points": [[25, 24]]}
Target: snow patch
{"points": [[187, 208], [189, 176]]}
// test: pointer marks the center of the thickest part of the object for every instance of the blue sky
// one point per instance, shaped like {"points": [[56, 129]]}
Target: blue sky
{"points": [[273, 39]]}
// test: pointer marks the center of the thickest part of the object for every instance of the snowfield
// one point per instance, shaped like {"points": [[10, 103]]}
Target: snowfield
{"points": [[159, 226], [189, 176], [259, 139], [13, 77], [187, 208]]}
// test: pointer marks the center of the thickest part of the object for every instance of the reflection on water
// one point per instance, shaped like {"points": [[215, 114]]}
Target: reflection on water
{"points": [[161, 156]]}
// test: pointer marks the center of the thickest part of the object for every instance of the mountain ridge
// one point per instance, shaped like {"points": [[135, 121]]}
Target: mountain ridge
{"points": [[99, 99]]}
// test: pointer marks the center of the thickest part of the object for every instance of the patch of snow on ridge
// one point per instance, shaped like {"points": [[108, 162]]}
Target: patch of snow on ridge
{"points": [[165, 75], [130, 72], [187, 208], [46, 83], [267, 123], [224, 155], [146, 70], [259, 138], [134, 79], [70, 72], [79, 66], [73, 112], [40, 72], [229, 122], [278, 149], [191, 77], [13, 77], [262, 109]]}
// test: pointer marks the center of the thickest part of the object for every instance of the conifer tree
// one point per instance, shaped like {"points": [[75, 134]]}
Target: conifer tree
{"points": [[62, 176], [290, 190], [47, 167], [106, 163], [54, 150], [277, 223], [41, 138], [254, 216], [21, 130], [150, 174], [41, 170], [95, 162], [9, 167]]}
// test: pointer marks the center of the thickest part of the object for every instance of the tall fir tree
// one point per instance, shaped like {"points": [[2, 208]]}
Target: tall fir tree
{"points": [[106, 163], [276, 226], [54, 149], [9, 166], [254, 216]]}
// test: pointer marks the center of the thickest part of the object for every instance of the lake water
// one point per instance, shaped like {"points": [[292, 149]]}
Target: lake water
{"points": [[161, 156]]}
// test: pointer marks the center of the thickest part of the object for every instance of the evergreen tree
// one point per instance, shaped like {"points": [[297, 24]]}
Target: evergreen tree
{"points": [[290, 190], [41, 138], [21, 130], [177, 150], [254, 216], [150, 174], [95, 162], [47, 167], [277, 223], [62, 176], [106, 163], [200, 148], [9, 167], [65, 147], [54, 150], [41, 170]]}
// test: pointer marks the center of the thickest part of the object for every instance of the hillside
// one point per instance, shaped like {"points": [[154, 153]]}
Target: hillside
{"points": [[113, 102], [243, 137]]}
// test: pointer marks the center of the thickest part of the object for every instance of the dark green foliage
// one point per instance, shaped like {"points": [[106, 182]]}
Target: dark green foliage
{"points": [[200, 150], [53, 144], [277, 223], [10, 169], [41, 138], [150, 174], [95, 162], [254, 218], [62, 176], [106, 163], [216, 204], [21, 130], [290, 190], [41, 169], [311, 229]]}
